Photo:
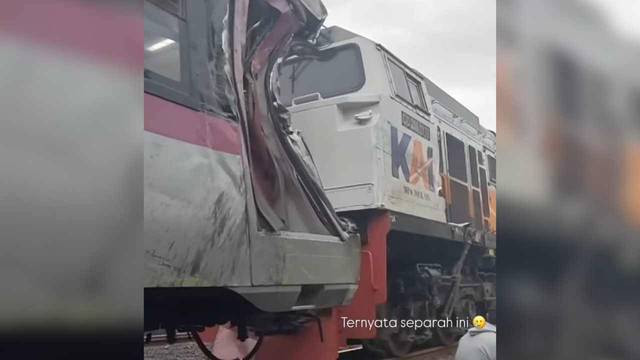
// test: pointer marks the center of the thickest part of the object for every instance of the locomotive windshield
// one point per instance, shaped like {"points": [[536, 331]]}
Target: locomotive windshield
{"points": [[334, 72]]}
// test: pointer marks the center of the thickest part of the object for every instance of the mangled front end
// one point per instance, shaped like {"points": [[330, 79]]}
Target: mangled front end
{"points": [[234, 208], [296, 237]]}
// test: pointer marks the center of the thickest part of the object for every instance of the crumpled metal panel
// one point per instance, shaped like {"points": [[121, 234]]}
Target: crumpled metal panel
{"points": [[316, 8], [282, 181], [241, 210]]}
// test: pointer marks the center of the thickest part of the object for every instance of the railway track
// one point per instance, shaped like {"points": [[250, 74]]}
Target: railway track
{"points": [[436, 353], [185, 344], [161, 339]]}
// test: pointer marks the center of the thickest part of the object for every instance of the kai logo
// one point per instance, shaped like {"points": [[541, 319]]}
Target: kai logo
{"points": [[406, 150]]}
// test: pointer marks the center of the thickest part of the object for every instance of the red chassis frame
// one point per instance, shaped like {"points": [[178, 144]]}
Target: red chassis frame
{"points": [[372, 291]]}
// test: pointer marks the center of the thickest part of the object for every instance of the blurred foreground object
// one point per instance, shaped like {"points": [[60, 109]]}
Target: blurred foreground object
{"points": [[71, 183], [569, 125]]}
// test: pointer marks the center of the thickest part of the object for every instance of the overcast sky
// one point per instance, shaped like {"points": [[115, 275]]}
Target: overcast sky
{"points": [[451, 42], [622, 16]]}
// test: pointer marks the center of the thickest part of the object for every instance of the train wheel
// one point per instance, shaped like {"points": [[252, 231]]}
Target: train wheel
{"points": [[226, 345], [446, 336], [465, 310], [397, 341]]}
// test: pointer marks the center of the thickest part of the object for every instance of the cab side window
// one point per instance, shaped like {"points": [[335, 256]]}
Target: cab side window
{"points": [[417, 97], [166, 58], [402, 88], [407, 87], [163, 32], [191, 76]]}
